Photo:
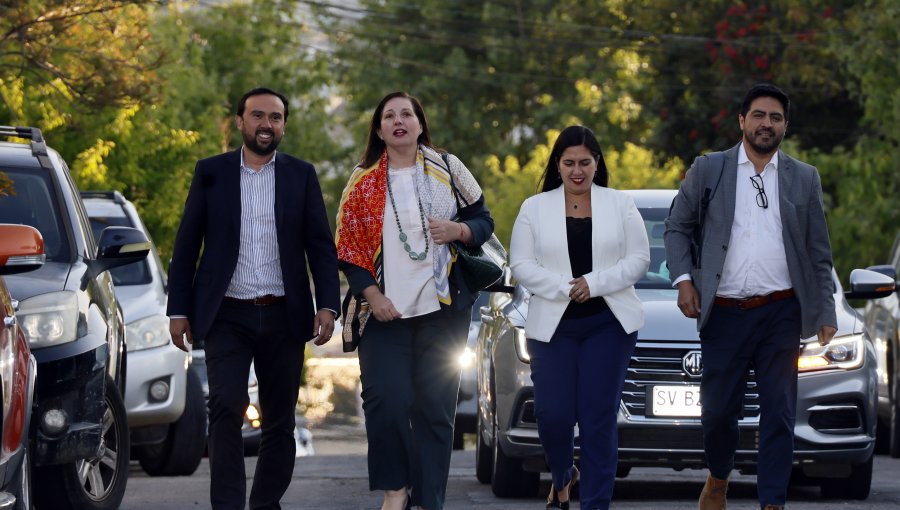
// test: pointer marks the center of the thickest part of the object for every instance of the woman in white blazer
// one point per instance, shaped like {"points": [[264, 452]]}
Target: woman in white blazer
{"points": [[579, 247]]}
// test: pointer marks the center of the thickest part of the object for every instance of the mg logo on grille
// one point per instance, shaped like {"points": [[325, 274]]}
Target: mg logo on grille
{"points": [[692, 363]]}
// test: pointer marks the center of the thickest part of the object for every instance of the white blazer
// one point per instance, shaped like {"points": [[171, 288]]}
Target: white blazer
{"points": [[539, 258]]}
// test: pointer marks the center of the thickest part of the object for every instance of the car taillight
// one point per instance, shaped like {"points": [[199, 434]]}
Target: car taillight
{"points": [[14, 360]]}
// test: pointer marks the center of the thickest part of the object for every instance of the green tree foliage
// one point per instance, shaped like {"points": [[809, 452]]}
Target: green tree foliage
{"points": [[493, 76], [146, 146], [704, 59], [98, 52], [863, 182]]}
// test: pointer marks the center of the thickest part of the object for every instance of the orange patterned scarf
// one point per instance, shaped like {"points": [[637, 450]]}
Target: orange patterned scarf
{"points": [[361, 217]]}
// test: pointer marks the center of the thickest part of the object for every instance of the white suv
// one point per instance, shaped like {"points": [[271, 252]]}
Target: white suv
{"points": [[164, 396]]}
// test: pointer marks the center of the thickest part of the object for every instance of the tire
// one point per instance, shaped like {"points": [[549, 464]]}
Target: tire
{"points": [[459, 442], [856, 486], [893, 426], [508, 479], [484, 458], [21, 483], [105, 476], [182, 450]]}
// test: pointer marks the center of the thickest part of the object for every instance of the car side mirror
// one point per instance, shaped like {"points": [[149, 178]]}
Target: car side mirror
{"points": [[119, 246], [868, 284], [21, 249]]}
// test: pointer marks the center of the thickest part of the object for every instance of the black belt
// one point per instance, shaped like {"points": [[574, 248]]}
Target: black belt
{"points": [[266, 300], [754, 301]]}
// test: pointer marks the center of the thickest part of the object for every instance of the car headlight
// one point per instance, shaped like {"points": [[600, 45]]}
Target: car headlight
{"points": [[846, 352], [49, 319], [522, 345], [148, 332], [467, 358]]}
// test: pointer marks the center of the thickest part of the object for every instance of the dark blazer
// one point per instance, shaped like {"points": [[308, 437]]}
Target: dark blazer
{"points": [[212, 220], [805, 233]]}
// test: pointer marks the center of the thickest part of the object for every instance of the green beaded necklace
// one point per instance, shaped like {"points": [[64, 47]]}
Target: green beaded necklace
{"points": [[403, 238]]}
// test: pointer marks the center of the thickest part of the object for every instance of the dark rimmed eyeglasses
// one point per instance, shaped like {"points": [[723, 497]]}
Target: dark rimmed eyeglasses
{"points": [[761, 199]]}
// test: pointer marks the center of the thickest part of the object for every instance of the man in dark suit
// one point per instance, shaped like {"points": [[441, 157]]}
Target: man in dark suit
{"points": [[759, 281], [259, 217]]}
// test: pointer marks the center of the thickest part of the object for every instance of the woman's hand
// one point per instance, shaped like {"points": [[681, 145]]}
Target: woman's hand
{"points": [[447, 231], [580, 292], [382, 307]]}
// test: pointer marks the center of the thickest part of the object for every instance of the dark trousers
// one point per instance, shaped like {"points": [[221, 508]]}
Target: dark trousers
{"points": [[768, 339], [410, 386], [578, 378], [240, 334]]}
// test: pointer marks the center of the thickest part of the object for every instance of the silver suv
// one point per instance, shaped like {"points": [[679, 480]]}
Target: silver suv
{"points": [[163, 397], [658, 420]]}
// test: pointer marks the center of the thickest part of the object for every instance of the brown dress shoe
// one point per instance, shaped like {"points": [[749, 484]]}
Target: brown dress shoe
{"points": [[713, 495], [774, 507]]}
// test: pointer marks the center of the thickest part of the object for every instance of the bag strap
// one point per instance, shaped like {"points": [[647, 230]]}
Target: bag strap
{"points": [[456, 194]]}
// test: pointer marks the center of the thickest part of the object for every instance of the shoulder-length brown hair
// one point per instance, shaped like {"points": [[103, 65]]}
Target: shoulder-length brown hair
{"points": [[375, 145]]}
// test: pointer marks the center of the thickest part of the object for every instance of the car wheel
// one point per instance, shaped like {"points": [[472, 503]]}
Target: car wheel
{"points": [[182, 451], [508, 479], [484, 458], [894, 424], [96, 483], [856, 486], [21, 483], [459, 442]]}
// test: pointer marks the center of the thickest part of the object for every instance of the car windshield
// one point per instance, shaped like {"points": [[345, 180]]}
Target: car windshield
{"points": [[657, 276], [27, 198], [136, 273]]}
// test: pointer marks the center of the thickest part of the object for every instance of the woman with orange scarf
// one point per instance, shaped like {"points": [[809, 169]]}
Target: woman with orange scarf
{"points": [[402, 207]]}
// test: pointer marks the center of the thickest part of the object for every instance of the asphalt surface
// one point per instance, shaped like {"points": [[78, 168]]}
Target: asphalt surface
{"points": [[336, 478]]}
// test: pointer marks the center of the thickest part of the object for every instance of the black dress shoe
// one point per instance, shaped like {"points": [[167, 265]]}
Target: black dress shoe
{"points": [[553, 501]]}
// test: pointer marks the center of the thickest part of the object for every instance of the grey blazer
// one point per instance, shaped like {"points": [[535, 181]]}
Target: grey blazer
{"points": [[806, 243]]}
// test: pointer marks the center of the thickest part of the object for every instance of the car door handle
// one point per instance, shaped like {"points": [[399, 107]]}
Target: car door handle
{"points": [[9, 321]]}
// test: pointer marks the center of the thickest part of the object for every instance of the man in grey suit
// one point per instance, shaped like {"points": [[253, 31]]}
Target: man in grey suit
{"points": [[747, 247]]}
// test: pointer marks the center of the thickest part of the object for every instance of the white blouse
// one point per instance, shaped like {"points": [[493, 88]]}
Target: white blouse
{"points": [[408, 283]]}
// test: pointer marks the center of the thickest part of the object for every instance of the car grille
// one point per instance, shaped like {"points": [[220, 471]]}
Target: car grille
{"points": [[657, 363]]}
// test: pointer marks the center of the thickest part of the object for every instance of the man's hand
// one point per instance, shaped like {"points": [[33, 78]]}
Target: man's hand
{"points": [[688, 299], [323, 326], [826, 333], [180, 329]]}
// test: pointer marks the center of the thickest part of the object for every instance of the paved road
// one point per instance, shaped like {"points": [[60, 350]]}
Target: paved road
{"points": [[335, 478]]}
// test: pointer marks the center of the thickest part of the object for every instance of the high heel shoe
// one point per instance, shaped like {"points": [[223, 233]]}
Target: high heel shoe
{"points": [[553, 501]]}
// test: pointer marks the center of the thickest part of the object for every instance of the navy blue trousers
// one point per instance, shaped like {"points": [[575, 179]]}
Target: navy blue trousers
{"points": [[768, 339], [578, 378], [410, 385]]}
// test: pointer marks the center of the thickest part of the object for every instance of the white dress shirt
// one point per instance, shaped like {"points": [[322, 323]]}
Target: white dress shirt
{"points": [[258, 270], [755, 263], [408, 283]]}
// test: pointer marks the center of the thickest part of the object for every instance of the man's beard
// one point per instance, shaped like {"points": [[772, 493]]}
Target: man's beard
{"points": [[764, 148], [254, 146]]}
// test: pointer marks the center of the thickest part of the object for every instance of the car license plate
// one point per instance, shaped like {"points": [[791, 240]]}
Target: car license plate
{"points": [[676, 401]]}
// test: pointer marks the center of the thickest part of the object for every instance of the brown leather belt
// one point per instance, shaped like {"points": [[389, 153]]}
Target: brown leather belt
{"points": [[754, 301], [266, 300]]}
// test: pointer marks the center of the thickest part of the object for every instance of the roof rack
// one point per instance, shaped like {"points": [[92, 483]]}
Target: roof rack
{"points": [[115, 196], [38, 146]]}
